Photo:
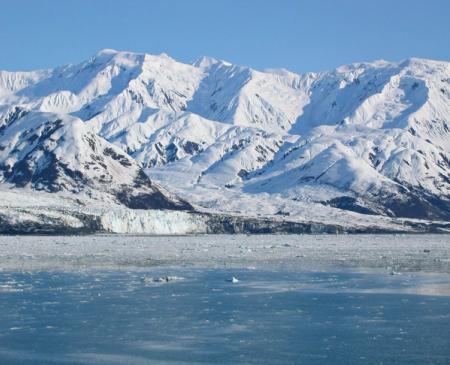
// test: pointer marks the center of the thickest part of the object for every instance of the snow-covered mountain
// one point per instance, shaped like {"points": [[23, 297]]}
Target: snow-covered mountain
{"points": [[373, 138]]}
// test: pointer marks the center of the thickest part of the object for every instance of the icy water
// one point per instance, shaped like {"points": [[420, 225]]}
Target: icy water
{"points": [[270, 316]]}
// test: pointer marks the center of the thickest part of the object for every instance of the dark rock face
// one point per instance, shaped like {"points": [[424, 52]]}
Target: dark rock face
{"points": [[11, 117], [413, 204], [53, 177], [227, 224], [420, 205], [124, 161], [150, 200], [192, 148], [174, 150], [348, 203], [147, 196]]}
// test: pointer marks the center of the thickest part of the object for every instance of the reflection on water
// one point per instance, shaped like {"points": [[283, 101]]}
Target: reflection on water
{"points": [[268, 317]]}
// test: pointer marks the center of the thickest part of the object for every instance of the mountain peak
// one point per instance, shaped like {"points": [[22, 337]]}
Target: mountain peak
{"points": [[205, 62]]}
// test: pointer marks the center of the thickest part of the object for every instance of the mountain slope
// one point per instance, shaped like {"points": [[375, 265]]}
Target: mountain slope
{"points": [[373, 138], [57, 153]]}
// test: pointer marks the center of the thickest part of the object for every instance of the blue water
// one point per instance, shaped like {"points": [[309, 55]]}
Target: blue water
{"points": [[268, 317]]}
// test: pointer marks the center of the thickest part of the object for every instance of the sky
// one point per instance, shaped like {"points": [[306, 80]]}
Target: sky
{"points": [[300, 35]]}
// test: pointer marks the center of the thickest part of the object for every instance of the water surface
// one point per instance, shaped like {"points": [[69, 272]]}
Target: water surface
{"points": [[271, 316]]}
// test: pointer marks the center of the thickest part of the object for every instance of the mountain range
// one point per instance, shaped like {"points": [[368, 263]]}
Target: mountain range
{"points": [[365, 141]]}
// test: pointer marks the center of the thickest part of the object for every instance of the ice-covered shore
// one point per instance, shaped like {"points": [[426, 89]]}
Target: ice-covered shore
{"points": [[394, 253]]}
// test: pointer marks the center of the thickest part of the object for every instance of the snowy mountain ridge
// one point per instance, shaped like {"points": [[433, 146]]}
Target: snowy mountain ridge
{"points": [[372, 138]]}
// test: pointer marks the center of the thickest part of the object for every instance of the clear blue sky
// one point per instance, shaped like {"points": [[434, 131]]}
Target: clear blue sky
{"points": [[301, 35]]}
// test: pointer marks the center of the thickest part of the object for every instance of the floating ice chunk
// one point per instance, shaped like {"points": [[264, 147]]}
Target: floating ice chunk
{"points": [[161, 279]]}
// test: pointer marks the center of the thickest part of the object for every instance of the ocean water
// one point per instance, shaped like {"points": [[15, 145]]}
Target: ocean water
{"points": [[269, 316]]}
